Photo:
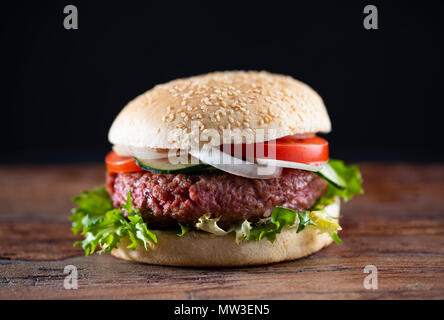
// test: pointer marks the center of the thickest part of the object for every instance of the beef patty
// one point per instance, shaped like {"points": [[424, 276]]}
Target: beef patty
{"points": [[165, 199]]}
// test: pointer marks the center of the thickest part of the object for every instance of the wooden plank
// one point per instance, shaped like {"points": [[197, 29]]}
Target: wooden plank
{"points": [[398, 226]]}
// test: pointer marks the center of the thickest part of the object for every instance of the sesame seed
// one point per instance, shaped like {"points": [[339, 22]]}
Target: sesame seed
{"points": [[170, 117], [220, 112]]}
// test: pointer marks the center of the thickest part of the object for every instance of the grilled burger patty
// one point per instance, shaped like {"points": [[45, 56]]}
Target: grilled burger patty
{"points": [[165, 199]]}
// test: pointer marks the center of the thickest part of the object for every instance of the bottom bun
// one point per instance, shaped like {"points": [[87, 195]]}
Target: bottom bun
{"points": [[202, 249]]}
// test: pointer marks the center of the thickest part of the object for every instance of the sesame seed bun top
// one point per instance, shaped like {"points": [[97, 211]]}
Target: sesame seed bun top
{"points": [[163, 116]]}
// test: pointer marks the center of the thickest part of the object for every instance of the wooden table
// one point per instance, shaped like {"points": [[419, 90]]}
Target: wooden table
{"points": [[397, 226]]}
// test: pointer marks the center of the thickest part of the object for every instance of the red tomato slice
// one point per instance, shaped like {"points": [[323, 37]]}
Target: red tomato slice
{"points": [[312, 150], [309, 150], [116, 163]]}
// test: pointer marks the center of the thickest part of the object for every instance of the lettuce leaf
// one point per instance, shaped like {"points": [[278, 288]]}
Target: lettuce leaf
{"points": [[183, 230], [242, 231], [92, 205], [206, 223], [304, 220], [103, 226], [281, 217], [284, 217], [352, 178]]}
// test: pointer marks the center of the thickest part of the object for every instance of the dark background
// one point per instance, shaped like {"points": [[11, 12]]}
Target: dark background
{"points": [[61, 89]]}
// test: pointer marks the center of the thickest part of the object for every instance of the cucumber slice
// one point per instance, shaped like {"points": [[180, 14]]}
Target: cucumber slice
{"points": [[329, 174], [164, 166]]}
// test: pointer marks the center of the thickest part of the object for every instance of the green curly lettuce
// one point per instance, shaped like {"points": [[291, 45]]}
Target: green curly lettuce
{"points": [[103, 226], [268, 228], [183, 230], [352, 178], [208, 224], [284, 217]]}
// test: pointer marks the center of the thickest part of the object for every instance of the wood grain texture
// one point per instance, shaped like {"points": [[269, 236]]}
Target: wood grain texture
{"points": [[398, 226]]}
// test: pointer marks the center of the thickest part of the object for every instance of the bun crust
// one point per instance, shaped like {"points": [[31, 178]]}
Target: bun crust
{"points": [[199, 249], [162, 117]]}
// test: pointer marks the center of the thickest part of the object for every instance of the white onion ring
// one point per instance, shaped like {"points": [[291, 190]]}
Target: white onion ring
{"points": [[122, 150], [225, 162], [303, 135], [148, 153], [289, 164], [141, 153]]}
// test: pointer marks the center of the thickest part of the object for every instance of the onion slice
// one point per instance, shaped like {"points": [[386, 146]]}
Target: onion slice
{"points": [[148, 153], [225, 162], [289, 164], [122, 150]]}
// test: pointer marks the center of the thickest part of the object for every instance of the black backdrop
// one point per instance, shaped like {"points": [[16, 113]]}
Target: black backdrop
{"points": [[61, 89]]}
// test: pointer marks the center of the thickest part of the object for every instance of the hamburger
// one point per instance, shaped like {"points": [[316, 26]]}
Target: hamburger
{"points": [[221, 169]]}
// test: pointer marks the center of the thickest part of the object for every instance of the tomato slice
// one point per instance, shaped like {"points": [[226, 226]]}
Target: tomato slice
{"points": [[116, 163], [313, 150], [309, 150]]}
